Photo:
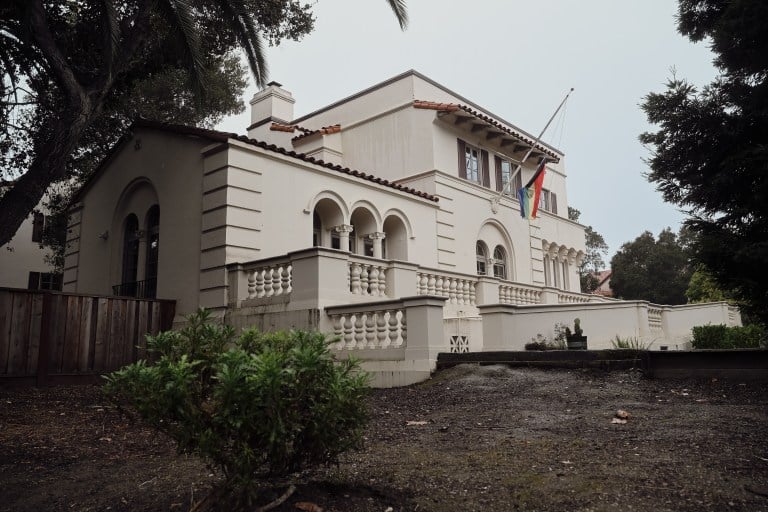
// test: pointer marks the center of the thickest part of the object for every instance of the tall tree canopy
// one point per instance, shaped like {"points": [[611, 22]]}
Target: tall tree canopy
{"points": [[654, 270], [593, 260], [75, 71], [710, 152]]}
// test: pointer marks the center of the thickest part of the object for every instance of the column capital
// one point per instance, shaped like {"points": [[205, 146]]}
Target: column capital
{"points": [[343, 228], [376, 235]]}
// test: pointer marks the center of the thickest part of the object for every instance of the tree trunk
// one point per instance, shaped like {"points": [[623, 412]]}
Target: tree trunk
{"points": [[48, 166]]}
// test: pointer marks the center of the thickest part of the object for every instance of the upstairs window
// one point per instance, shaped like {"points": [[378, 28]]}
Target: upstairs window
{"points": [[548, 201], [499, 262], [473, 164], [504, 170]]}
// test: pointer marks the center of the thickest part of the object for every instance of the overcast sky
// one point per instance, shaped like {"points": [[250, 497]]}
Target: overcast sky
{"points": [[517, 59]]}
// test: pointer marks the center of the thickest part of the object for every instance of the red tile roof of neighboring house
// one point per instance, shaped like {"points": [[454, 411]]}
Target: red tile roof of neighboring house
{"points": [[454, 107], [290, 128], [217, 136], [326, 130]]}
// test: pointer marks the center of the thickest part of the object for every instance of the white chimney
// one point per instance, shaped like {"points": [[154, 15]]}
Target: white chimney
{"points": [[272, 104]]}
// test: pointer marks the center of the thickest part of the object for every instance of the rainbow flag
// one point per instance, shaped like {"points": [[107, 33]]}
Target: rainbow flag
{"points": [[530, 193]]}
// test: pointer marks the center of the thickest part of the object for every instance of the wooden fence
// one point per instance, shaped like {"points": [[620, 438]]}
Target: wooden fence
{"points": [[51, 337]]}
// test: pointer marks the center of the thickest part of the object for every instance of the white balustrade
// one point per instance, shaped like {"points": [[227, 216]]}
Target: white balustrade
{"points": [[517, 294], [458, 290], [654, 321], [379, 329], [367, 279], [270, 281], [572, 298]]}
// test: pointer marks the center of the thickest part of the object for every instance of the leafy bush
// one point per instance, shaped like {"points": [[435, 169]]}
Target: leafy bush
{"points": [[720, 336], [261, 407]]}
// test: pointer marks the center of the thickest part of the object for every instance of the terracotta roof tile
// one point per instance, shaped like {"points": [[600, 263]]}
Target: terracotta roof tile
{"points": [[454, 107], [326, 130], [218, 136], [290, 128]]}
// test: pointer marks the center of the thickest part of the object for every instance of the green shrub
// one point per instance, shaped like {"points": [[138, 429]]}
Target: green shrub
{"points": [[261, 407], [631, 343], [722, 337]]}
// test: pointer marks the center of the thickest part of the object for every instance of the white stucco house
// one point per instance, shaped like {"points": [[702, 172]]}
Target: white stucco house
{"points": [[377, 218]]}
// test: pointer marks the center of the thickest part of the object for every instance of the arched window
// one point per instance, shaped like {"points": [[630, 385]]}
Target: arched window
{"points": [[499, 262], [153, 252], [131, 237], [481, 254], [317, 229]]}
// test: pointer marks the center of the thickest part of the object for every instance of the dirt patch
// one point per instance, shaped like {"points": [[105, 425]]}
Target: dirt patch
{"points": [[472, 438]]}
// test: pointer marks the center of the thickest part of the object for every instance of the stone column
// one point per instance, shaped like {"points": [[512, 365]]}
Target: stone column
{"points": [[343, 231], [377, 238]]}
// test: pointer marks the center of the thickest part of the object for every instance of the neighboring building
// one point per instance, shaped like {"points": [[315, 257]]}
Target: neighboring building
{"points": [[335, 220], [23, 262], [603, 278]]}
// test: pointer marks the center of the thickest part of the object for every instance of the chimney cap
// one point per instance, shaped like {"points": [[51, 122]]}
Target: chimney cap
{"points": [[276, 84]]}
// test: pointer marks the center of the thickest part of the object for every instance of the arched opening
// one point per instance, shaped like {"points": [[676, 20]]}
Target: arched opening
{"points": [[363, 223], [395, 243], [326, 218], [499, 262], [131, 238], [317, 229], [481, 255], [153, 252]]}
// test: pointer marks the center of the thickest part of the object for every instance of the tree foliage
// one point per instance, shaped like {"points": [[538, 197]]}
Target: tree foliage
{"points": [[656, 270], [593, 260], [75, 72], [259, 408], [710, 152]]}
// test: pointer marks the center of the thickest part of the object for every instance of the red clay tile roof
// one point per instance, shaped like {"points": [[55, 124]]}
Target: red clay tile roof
{"points": [[218, 136], [325, 130], [453, 107], [290, 128]]}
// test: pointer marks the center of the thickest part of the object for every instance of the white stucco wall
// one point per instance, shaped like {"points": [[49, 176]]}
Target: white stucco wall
{"points": [[150, 165], [21, 256]]}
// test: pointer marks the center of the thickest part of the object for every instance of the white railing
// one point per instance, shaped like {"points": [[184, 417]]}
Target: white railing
{"points": [[371, 329], [367, 278], [572, 298], [456, 288], [272, 280], [515, 293]]}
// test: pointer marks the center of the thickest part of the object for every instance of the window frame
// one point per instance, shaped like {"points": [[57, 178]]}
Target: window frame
{"points": [[499, 262], [481, 258]]}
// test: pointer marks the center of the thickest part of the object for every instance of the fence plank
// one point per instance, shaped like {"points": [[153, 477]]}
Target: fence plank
{"points": [[116, 334], [86, 335], [131, 320], [72, 335], [17, 354], [6, 304], [100, 350], [35, 328], [142, 328], [58, 330]]}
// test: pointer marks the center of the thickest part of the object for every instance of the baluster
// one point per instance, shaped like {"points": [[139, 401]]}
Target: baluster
{"points": [[354, 279], [465, 290], [403, 329], [348, 332], [503, 295], [452, 292], [251, 284], [472, 293], [439, 283], [382, 282], [286, 275], [421, 283], [393, 329], [373, 278], [259, 277], [364, 282], [268, 290], [381, 329], [359, 330], [277, 281], [338, 331], [431, 285], [370, 330]]}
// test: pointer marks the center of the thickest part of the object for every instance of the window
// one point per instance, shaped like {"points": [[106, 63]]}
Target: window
{"points": [[367, 247], [472, 163], [153, 252], [548, 201], [38, 225], [504, 170], [317, 227], [481, 254], [44, 281], [499, 262], [566, 281], [131, 237]]}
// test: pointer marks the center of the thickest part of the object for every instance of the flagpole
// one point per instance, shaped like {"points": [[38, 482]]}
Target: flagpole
{"points": [[530, 150]]}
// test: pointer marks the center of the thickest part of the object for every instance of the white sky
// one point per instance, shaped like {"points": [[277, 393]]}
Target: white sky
{"points": [[517, 59]]}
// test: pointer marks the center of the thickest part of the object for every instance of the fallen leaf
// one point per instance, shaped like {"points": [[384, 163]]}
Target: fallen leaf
{"points": [[412, 423], [308, 506]]}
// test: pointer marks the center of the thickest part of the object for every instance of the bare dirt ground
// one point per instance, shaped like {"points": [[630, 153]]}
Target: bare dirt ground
{"points": [[473, 438]]}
